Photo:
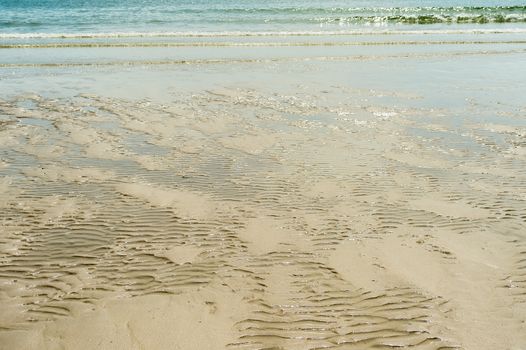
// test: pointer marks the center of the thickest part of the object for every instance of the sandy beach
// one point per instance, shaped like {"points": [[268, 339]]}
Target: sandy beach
{"points": [[300, 192]]}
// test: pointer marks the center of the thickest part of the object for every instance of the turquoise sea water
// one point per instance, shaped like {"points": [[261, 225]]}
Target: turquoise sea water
{"points": [[68, 17]]}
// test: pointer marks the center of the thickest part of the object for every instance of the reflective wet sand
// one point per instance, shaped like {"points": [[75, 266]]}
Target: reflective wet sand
{"points": [[376, 203]]}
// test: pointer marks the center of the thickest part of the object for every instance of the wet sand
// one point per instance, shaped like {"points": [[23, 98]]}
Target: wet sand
{"points": [[372, 204]]}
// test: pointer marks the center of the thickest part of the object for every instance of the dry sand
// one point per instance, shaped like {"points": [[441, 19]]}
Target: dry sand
{"points": [[193, 225]]}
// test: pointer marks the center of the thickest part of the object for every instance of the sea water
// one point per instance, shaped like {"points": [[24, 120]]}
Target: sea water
{"points": [[82, 17]]}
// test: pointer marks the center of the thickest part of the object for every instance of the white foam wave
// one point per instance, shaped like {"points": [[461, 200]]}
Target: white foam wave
{"points": [[249, 34]]}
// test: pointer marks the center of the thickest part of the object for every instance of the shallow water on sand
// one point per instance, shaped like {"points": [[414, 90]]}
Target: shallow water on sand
{"points": [[355, 198]]}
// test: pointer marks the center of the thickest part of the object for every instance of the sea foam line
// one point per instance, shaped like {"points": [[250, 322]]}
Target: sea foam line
{"points": [[254, 34], [252, 44]]}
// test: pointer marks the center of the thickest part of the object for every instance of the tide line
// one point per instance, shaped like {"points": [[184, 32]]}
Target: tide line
{"points": [[254, 60]]}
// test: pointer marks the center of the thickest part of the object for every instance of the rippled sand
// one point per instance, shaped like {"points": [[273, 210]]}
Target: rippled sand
{"points": [[238, 217]]}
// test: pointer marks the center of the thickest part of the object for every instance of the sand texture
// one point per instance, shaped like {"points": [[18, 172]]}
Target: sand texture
{"points": [[239, 218]]}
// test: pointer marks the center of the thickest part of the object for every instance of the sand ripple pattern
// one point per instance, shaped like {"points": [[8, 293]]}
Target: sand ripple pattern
{"points": [[281, 199]]}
